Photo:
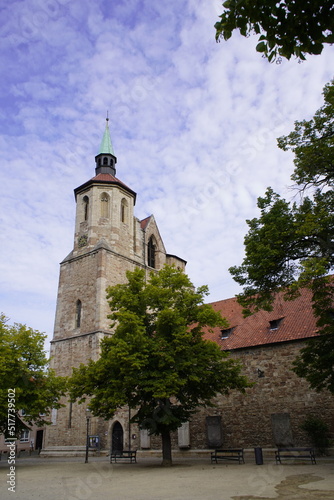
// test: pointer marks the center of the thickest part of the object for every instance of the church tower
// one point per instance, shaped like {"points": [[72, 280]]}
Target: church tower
{"points": [[108, 241]]}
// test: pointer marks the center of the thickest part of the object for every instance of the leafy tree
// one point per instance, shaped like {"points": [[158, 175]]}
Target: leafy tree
{"points": [[155, 362], [286, 27], [287, 247], [24, 370], [312, 142], [291, 245]]}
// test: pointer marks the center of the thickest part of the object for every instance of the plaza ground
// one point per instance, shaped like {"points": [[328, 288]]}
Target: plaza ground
{"points": [[187, 479]]}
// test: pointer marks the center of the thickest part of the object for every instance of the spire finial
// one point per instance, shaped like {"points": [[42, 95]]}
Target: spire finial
{"points": [[106, 145]]}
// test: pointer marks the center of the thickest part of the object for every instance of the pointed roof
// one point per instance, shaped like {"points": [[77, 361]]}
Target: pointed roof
{"points": [[105, 171], [144, 222], [106, 144], [104, 179]]}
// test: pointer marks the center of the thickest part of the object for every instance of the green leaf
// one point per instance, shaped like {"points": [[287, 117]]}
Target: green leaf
{"points": [[261, 47]]}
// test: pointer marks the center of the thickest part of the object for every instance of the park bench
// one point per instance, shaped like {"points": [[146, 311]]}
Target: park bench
{"points": [[295, 453], [228, 454], [125, 455]]}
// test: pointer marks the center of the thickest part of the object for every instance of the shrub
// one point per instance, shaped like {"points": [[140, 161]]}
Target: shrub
{"points": [[318, 432]]}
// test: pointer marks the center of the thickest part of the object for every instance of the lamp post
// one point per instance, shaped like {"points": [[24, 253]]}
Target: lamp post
{"points": [[129, 428], [87, 433]]}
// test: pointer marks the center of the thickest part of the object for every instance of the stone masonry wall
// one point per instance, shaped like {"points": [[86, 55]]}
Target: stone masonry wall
{"points": [[246, 418]]}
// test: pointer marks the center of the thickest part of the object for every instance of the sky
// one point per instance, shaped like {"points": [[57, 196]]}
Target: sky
{"points": [[193, 123]]}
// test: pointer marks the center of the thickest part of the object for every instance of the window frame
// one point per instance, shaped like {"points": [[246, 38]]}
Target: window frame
{"points": [[151, 252], [78, 313], [24, 439], [85, 201]]}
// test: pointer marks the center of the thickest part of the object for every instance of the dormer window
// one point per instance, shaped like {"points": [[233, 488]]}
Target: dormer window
{"points": [[274, 324], [225, 334]]}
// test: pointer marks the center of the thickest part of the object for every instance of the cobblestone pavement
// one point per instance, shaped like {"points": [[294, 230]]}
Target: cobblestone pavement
{"points": [[189, 479]]}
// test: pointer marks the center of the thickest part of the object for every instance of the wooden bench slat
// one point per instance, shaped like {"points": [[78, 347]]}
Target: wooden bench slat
{"points": [[295, 453], [127, 455], [228, 454]]}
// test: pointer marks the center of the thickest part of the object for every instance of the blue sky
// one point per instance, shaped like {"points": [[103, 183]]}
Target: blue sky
{"points": [[193, 124]]}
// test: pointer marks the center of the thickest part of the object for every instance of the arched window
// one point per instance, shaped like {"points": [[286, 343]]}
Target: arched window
{"points": [[105, 205], [85, 201], [151, 252], [105, 161], [78, 314], [124, 210]]}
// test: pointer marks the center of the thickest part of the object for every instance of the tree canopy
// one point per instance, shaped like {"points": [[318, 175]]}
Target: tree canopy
{"points": [[287, 247], [157, 361], [312, 142], [291, 245], [24, 370], [285, 28]]}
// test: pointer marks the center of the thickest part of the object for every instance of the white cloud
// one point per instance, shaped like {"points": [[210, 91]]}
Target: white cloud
{"points": [[194, 126]]}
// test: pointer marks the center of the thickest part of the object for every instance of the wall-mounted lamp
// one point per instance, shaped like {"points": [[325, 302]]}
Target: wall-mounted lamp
{"points": [[260, 373]]}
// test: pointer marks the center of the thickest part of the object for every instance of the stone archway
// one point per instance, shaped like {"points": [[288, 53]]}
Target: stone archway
{"points": [[117, 438]]}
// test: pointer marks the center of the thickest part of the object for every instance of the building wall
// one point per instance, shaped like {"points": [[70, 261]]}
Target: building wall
{"points": [[104, 218], [31, 439], [114, 243], [246, 419]]}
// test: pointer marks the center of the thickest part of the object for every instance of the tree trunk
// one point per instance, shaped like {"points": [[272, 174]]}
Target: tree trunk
{"points": [[166, 448]]}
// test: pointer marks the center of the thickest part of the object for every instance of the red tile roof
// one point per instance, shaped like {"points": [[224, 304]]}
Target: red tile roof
{"points": [[108, 178], [297, 323], [144, 222], [102, 178]]}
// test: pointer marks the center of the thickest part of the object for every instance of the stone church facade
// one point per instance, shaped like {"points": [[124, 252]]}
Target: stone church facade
{"points": [[108, 241]]}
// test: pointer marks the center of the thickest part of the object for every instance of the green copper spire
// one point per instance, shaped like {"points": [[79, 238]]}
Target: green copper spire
{"points": [[106, 160], [106, 145]]}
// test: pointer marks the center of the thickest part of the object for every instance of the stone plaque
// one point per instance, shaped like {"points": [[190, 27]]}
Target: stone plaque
{"points": [[214, 431], [183, 435], [281, 427], [145, 439]]}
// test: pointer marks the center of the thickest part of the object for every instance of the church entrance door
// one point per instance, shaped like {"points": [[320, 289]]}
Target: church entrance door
{"points": [[117, 438], [39, 440]]}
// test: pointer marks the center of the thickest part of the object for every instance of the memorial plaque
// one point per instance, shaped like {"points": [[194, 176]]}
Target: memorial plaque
{"points": [[183, 435], [282, 429], [145, 439], [214, 431]]}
